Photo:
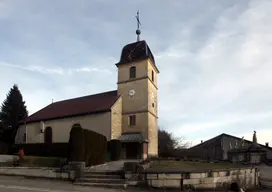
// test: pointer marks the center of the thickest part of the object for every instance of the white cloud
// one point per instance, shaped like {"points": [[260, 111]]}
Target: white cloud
{"points": [[229, 74], [56, 70]]}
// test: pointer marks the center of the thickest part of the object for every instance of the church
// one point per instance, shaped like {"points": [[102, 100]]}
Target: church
{"points": [[129, 113]]}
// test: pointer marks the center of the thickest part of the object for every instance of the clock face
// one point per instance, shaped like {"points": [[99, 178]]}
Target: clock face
{"points": [[131, 92]]}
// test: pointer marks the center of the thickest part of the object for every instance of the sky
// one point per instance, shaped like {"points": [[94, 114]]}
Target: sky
{"points": [[214, 58]]}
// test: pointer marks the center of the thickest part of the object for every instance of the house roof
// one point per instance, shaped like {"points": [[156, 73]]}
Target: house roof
{"points": [[101, 102], [136, 51], [227, 135]]}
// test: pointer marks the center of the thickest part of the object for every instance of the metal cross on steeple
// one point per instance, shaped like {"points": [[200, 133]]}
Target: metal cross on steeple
{"points": [[138, 31]]}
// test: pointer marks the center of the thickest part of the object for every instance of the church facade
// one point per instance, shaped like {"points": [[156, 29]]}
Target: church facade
{"points": [[129, 113]]}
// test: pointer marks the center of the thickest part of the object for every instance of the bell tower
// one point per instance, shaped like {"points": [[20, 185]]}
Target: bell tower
{"points": [[138, 86]]}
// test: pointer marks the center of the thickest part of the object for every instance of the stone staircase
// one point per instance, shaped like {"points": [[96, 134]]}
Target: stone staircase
{"points": [[111, 179], [109, 175]]}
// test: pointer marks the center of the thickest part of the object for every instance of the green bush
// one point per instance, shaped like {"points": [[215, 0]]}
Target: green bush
{"points": [[33, 161], [41, 149], [77, 144], [115, 149]]}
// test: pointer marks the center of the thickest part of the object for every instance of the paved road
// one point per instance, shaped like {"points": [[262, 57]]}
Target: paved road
{"points": [[20, 184]]}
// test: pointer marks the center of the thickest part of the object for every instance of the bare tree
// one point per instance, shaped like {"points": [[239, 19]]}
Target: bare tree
{"points": [[170, 145]]}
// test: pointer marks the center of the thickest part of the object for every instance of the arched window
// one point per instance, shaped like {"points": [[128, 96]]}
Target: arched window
{"points": [[48, 135], [152, 75], [132, 72]]}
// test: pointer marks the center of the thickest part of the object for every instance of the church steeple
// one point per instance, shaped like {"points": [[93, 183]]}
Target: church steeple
{"points": [[137, 84], [138, 31]]}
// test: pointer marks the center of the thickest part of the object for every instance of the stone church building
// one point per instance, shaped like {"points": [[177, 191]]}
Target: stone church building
{"points": [[129, 113]]}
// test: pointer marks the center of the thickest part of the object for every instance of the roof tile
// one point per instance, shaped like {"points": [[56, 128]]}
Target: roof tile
{"points": [[77, 106]]}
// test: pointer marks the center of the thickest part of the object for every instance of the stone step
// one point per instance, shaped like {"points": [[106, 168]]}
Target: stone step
{"points": [[105, 185], [99, 180], [90, 175], [103, 172]]}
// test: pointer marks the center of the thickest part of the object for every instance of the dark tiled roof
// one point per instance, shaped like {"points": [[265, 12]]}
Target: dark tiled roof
{"points": [[136, 51], [90, 104], [219, 137], [132, 137]]}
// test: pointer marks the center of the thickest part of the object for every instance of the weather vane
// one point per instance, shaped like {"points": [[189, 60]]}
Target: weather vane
{"points": [[138, 31]]}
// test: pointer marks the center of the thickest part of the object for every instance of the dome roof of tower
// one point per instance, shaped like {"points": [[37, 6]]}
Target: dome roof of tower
{"points": [[136, 51]]}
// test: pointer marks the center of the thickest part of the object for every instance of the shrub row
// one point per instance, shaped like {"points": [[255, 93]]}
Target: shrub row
{"points": [[32, 161], [42, 149]]}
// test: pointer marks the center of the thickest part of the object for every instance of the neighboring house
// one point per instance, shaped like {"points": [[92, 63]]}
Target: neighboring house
{"points": [[218, 147], [128, 113]]}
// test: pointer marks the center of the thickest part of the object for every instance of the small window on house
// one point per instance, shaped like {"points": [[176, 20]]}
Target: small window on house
{"points": [[152, 75], [153, 105], [132, 72], [132, 120]]}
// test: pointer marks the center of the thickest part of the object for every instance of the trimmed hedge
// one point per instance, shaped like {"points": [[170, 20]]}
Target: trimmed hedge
{"points": [[33, 161], [76, 144], [42, 149], [115, 148], [88, 146], [95, 148]]}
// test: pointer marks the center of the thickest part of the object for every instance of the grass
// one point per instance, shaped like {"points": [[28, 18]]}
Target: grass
{"points": [[172, 165], [35, 161]]}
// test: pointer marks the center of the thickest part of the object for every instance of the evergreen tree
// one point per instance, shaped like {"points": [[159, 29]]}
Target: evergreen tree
{"points": [[13, 110]]}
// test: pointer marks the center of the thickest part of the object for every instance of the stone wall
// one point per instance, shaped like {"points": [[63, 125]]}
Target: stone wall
{"points": [[266, 176], [216, 179], [116, 119]]}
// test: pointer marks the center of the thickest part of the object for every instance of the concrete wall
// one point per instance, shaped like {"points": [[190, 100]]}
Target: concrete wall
{"points": [[204, 180], [152, 135], [265, 176], [100, 123], [116, 119]]}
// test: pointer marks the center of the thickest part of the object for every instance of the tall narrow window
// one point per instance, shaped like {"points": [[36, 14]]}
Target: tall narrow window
{"points": [[48, 135], [132, 72], [132, 120], [152, 75]]}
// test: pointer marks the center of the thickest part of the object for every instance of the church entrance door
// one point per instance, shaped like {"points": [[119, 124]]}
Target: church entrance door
{"points": [[133, 150]]}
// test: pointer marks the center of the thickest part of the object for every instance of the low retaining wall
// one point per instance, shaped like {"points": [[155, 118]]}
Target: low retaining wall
{"points": [[214, 179], [265, 176], [37, 173]]}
